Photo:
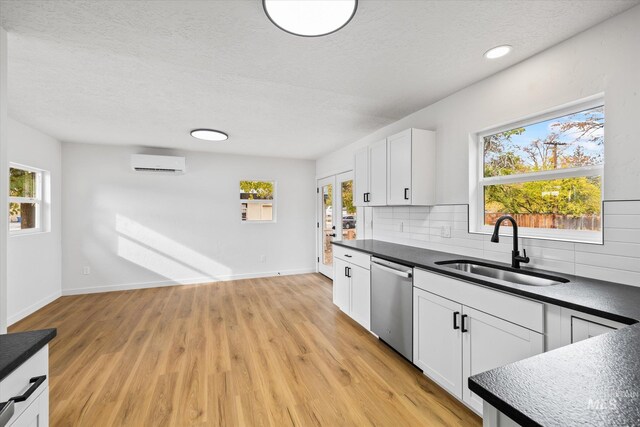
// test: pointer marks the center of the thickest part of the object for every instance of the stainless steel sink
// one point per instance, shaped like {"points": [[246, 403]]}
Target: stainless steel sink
{"points": [[506, 274]]}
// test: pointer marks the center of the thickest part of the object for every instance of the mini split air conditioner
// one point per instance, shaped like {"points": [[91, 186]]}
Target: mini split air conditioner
{"points": [[163, 164]]}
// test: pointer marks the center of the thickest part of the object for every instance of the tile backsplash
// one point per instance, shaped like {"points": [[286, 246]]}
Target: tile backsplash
{"points": [[617, 260]]}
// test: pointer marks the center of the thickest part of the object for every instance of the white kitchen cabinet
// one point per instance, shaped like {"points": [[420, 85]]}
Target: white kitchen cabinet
{"points": [[361, 177], [29, 379], [360, 307], [462, 329], [352, 284], [341, 284], [582, 329], [370, 174], [411, 164], [437, 340], [36, 414], [490, 342]]}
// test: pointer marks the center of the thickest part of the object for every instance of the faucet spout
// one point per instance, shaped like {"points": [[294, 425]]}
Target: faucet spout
{"points": [[516, 259]]}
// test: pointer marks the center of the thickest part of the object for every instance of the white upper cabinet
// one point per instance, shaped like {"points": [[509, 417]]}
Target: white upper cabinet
{"points": [[411, 168], [361, 177], [378, 174], [371, 175]]}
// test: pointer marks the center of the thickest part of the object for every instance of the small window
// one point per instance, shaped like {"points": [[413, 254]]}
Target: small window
{"points": [[257, 201], [25, 199], [547, 173]]}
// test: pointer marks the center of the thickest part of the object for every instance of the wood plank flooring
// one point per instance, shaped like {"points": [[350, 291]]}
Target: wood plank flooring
{"points": [[260, 352]]}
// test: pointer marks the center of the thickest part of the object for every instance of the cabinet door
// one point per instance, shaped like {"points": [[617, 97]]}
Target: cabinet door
{"points": [[437, 339], [399, 169], [582, 329], [341, 285], [361, 295], [490, 342], [36, 414], [378, 173], [361, 177]]}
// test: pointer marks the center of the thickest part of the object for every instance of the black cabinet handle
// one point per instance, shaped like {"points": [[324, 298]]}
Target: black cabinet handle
{"points": [[346, 274], [406, 196], [348, 271], [348, 256], [455, 320], [464, 328], [332, 235], [35, 383]]}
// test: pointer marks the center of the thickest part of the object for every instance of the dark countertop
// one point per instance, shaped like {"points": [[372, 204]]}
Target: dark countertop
{"points": [[16, 348], [595, 382], [592, 382], [609, 300]]}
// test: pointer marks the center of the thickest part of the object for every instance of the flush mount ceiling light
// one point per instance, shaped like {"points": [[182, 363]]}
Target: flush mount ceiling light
{"points": [[310, 18], [209, 134], [498, 51]]}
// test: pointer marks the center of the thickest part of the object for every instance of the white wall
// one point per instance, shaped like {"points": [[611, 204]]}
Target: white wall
{"points": [[604, 59], [4, 182], [34, 271], [139, 230]]}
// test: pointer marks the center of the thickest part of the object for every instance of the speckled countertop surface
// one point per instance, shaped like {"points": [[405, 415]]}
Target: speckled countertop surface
{"points": [[16, 348], [604, 299], [594, 382]]}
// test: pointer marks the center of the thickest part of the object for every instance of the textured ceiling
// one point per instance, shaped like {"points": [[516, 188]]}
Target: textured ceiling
{"points": [[146, 72]]}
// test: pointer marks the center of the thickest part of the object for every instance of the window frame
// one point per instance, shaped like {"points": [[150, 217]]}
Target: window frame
{"points": [[583, 171], [272, 201], [38, 200]]}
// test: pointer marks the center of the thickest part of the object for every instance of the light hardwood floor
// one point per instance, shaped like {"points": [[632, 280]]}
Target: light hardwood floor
{"points": [[272, 351]]}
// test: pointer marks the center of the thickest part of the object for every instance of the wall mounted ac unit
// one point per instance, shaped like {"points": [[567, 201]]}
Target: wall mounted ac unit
{"points": [[163, 164]]}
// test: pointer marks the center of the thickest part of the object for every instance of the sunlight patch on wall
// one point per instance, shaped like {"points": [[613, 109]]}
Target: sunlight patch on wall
{"points": [[162, 255]]}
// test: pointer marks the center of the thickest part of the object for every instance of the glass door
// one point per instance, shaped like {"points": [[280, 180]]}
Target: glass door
{"points": [[348, 212], [326, 225]]}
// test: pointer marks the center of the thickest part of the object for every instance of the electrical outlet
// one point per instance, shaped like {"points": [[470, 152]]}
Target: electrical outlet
{"points": [[263, 258], [445, 231], [86, 270]]}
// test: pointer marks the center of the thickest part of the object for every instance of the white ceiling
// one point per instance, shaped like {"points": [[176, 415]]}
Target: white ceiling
{"points": [[146, 72]]}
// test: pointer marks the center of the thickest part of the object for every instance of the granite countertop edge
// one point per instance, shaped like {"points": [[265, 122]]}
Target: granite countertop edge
{"points": [[20, 346]]}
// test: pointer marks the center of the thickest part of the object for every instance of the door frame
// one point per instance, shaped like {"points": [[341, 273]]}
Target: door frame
{"points": [[336, 181]]}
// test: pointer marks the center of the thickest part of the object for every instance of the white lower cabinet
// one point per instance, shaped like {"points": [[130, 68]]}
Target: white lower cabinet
{"points": [[453, 341], [582, 329], [352, 286], [341, 284], [437, 340], [490, 342], [36, 414]]}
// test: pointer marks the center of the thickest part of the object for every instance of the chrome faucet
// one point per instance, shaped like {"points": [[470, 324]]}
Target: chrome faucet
{"points": [[516, 259]]}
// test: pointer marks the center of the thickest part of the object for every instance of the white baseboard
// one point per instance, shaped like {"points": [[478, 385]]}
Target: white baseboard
{"points": [[33, 308], [192, 281]]}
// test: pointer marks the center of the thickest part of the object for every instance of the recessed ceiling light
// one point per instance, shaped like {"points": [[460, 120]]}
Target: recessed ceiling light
{"points": [[310, 18], [209, 134], [498, 51]]}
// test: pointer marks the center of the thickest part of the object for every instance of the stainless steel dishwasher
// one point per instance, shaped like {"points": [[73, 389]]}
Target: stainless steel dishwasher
{"points": [[392, 305]]}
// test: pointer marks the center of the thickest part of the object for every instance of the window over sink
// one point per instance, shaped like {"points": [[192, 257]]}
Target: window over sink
{"points": [[547, 172]]}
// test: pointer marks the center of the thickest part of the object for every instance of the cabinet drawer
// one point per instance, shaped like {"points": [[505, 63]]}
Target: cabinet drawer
{"points": [[582, 329], [354, 257], [17, 382], [520, 311]]}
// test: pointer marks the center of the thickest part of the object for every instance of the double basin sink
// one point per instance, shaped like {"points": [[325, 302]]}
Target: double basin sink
{"points": [[506, 274]]}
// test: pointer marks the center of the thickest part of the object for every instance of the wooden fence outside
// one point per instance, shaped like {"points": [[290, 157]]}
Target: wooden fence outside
{"points": [[562, 222]]}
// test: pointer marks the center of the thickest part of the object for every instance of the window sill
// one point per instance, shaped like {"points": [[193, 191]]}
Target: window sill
{"points": [[524, 235], [27, 233]]}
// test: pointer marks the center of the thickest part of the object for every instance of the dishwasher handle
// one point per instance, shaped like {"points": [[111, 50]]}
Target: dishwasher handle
{"points": [[401, 273]]}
